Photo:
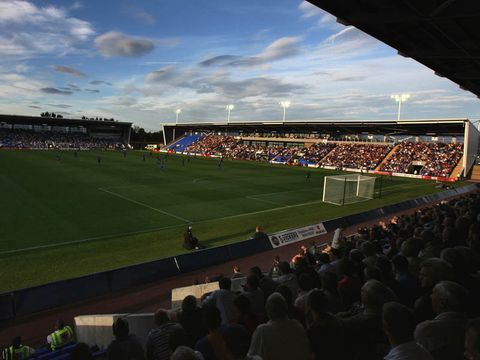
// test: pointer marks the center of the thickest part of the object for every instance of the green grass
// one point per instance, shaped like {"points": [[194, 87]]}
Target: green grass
{"points": [[88, 217]]}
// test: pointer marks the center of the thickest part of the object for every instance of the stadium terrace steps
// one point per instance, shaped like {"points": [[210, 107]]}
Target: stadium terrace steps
{"points": [[385, 159], [457, 169], [475, 173], [184, 142]]}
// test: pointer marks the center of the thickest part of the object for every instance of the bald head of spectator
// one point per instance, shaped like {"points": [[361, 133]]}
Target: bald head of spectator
{"points": [[276, 307]]}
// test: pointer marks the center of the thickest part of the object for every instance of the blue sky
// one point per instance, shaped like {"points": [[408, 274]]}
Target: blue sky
{"points": [[141, 60]]}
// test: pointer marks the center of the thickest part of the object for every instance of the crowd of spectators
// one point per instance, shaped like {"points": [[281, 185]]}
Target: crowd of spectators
{"points": [[25, 139], [404, 289], [357, 156], [437, 159]]}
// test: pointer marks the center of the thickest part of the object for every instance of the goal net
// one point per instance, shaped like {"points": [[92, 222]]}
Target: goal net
{"points": [[347, 189]]}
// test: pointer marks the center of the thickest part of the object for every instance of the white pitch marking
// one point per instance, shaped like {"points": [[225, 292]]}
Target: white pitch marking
{"points": [[144, 205]]}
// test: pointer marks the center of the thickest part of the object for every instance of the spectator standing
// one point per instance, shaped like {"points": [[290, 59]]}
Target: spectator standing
{"points": [[260, 235], [472, 340], [223, 300], [213, 346], [191, 319]]}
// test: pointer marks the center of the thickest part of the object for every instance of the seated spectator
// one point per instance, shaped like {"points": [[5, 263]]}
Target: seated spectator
{"points": [[349, 285], [432, 271], [267, 284], [157, 346], [363, 330], [281, 337], [472, 340], [408, 286], [306, 284], [213, 346], [238, 342], [255, 295], [17, 350], [444, 336], [325, 332], [125, 346], [81, 352], [185, 353], [191, 319], [287, 277], [399, 324], [329, 288], [292, 311], [63, 335], [223, 300], [246, 316]]}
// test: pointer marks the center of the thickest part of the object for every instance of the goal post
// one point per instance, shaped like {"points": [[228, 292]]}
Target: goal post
{"points": [[348, 189]]}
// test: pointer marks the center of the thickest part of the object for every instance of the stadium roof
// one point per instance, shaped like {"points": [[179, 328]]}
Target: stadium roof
{"points": [[34, 120], [445, 127], [443, 35]]}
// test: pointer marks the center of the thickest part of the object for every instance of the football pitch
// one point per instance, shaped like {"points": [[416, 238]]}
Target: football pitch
{"points": [[64, 216]]}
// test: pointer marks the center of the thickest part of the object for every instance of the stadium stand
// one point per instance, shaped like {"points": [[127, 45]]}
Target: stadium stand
{"points": [[433, 159], [27, 139]]}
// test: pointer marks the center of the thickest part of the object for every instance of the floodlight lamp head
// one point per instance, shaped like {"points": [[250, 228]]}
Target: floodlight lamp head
{"points": [[178, 111], [285, 104], [229, 107]]}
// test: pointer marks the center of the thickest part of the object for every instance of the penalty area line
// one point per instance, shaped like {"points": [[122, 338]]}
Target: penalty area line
{"points": [[144, 205]]}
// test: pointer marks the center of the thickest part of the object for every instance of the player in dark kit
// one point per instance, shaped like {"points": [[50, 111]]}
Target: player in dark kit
{"points": [[75, 153], [99, 159], [308, 176], [144, 156], [124, 153]]}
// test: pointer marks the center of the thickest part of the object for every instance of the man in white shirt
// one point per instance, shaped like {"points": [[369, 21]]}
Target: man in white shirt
{"points": [[223, 300]]}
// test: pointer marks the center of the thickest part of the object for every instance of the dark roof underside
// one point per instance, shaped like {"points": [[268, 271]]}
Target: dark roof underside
{"points": [[38, 120], [426, 127], [443, 35]]}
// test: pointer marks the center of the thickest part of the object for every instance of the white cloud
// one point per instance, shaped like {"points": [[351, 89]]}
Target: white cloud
{"points": [[309, 10], [117, 44], [29, 30]]}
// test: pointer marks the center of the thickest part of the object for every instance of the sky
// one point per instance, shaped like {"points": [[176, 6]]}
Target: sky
{"points": [[140, 61]]}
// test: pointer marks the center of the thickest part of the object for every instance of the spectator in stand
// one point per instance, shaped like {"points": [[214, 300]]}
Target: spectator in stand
{"points": [[223, 300], [213, 346], [267, 284], [237, 273], [185, 353], [444, 336], [287, 277], [246, 316], [63, 335], [363, 330], [432, 271], [399, 325], [306, 285], [157, 346], [325, 332], [338, 241], [81, 352], [350, 284], [281, 337], [260, 235], [255, 295], [125, 346], [238, 342], [191, 319], [408, 285], [472, 340], [292, 311], [17, 351]]}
